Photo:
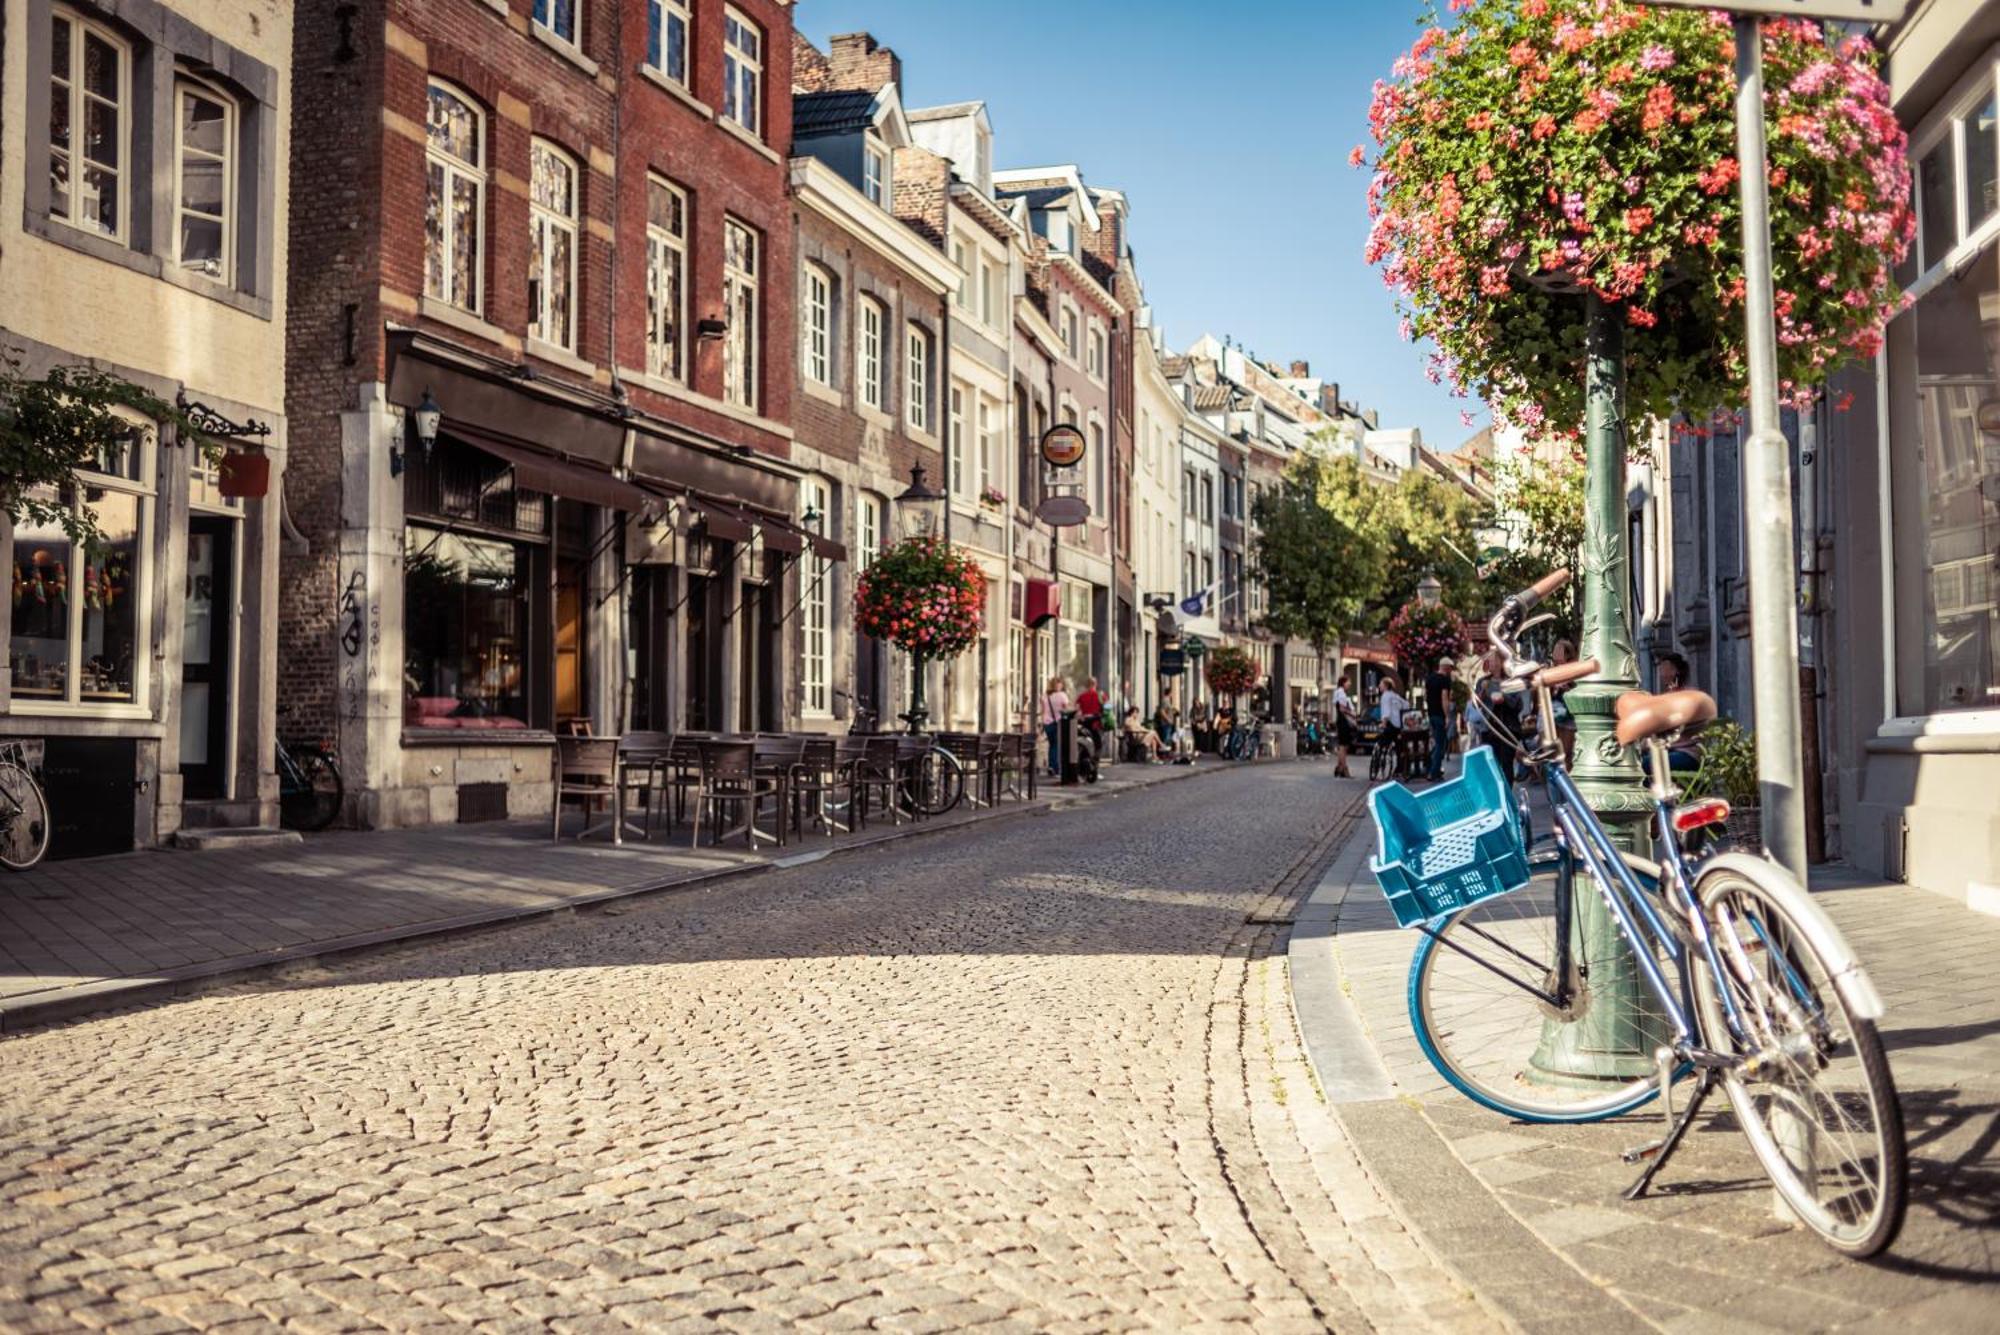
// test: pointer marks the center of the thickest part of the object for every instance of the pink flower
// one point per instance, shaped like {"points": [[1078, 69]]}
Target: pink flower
{"points": [[1464, 417], [1656, 58], [1356, 156]]}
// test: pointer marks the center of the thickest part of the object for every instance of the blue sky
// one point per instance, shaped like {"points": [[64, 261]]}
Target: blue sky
{"points": [[1228, 125]]}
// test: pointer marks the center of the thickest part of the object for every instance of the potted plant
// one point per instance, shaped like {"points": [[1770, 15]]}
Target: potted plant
{"points": [[992, 497], [1729, 771], [1231, 671], [1421, 635], [926, 597]]}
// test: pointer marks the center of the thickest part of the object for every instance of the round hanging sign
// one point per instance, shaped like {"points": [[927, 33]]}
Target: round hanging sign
{"points": [[1062, 445], [1063, 511]]}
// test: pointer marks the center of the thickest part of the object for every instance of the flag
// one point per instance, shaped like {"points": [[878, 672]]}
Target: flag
{"points": [[1197, 604]]}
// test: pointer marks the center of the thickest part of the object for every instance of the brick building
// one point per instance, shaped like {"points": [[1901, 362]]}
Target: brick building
{"points": [[558, 227], [143, 161]]}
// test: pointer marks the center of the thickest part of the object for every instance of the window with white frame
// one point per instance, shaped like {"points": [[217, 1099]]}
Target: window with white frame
{"points": [[917, 377], [552, 214], [875, 173], [815, 660], [1095, 467], [90, 103], [1958, 169], [961, 258], [816, 325], [1094, 354], [455, 202], [739, 300], [666, 280], [560, 18], [989, 293], [871, 360], [1069, 335], [742, 71], [667, 23], [870, 523], [80, 619], [204, 179], [955, 452], [989, 444]]}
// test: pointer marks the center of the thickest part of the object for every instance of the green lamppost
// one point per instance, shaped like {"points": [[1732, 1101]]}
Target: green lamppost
{"points": [[1616, 1033]]}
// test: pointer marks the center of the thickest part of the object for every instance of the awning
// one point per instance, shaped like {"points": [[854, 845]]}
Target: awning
{"points": [[826, 549], [780, 535], [478, 398], [721, 520], [561, 477]]}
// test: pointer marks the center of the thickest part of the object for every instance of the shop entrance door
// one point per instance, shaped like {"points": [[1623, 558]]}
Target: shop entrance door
{"points": [[205, 656], [702, 669], [651, 608], [571, 706]]}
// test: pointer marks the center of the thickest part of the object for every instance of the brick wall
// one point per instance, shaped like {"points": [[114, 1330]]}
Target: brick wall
{"points": [[922, 186], [812, 72], [857, 63]]}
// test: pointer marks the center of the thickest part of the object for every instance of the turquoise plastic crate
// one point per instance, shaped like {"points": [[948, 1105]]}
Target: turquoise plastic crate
{"points": [[1449, 846]]}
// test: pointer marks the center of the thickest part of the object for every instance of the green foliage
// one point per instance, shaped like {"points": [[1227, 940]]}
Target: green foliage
{"points": [[1548, 500], [1428, 526], [1728, 764], [1315, 551], [65, 421]]}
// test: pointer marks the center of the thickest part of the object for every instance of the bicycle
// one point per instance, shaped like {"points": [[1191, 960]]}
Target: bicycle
{"points": [[310, 789], [24, 811], [932, 786], [1244, 742], [1765, 1000]]}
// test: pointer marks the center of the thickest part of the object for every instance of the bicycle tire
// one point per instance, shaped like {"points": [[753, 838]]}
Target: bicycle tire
{"points": [[1481, 1032], [1379, 759], [938, 784], [314, 806], [24, 830], [1791, 974]]}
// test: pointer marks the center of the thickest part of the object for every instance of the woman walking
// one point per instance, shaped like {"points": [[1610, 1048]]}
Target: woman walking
{"points": [[1055, 704]]}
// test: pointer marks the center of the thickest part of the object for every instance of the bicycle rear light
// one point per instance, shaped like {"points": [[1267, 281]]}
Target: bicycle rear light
{"points": [[1695, 815]]}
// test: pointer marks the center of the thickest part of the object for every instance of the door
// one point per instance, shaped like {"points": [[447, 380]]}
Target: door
{"points": [[205, 656], [570, 666], [650, 608], [702, 670]]}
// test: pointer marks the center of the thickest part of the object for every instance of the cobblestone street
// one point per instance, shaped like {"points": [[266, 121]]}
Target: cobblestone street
{"points": [[1042, 1075]]}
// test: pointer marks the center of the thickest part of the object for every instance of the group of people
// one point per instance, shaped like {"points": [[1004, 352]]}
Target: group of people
{"points": [[1156, 742]]}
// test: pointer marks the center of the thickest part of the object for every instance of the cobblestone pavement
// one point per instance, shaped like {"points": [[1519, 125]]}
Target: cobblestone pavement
{"points": [[1703, 1252], [1043, 1075]]}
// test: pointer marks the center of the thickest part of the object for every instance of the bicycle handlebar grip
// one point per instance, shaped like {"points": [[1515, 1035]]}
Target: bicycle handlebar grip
{"points": [[1529, 597]]}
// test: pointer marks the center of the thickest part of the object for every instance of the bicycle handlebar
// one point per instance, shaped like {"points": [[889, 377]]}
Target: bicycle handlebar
{"points": [[1529, 598]]}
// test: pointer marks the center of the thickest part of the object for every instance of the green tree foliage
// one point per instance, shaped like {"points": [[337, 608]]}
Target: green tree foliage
{"points": [[1317, 549], [1429, 525], [1546, 501]]}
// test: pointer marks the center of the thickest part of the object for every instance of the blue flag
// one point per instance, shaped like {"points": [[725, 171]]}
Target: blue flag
{"points": [[1198, 604]]}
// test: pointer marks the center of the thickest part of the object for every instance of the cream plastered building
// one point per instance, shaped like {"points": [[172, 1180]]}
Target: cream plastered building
{"points": [[143, 192]]}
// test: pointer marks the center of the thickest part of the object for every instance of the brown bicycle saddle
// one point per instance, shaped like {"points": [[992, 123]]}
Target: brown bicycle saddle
{"points": [[1642, 715]]}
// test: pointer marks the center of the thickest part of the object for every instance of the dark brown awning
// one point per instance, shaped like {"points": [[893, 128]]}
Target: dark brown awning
{"points": [[780, 536], [561, 477], [826, 549], [680, 466], [722, 520], [479, 399]]}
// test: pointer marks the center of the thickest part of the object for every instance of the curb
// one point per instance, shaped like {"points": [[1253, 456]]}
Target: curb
{"points": [[38, 1010], [1473, 1235]]}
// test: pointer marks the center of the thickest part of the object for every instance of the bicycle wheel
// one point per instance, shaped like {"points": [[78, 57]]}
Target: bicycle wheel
{"points": [[935, 784], [312, 800], [1480, 998], [1815, 1097], [1379, 760], [24, 819]]}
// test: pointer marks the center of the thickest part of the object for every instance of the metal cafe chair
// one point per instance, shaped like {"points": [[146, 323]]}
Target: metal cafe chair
{"points": [[818, 775], [879, 771], [729, 778], [587, 770]]}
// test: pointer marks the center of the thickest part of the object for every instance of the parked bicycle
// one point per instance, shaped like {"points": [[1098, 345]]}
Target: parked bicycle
{"points": [[24, 811], [1735, 978], [309, 786], [932, 785], [1244, 741]]}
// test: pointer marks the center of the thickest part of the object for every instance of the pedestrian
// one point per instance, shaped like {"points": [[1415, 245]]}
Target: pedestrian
{"points": [[1198, 725], [1564, 652], [1055, 704], [1437, 711], [1344, 717], [1673, 674], [1090, 714], [1502, 709], [1139, 737]]}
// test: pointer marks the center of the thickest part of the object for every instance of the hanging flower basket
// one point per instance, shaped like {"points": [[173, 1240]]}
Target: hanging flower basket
{"points": [[925, 596], [1540, 150], [241, 473], [1421, 635], [1230, 670]]}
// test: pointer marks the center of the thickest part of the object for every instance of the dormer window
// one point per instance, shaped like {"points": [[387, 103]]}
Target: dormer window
{"points": [[875, 174]]}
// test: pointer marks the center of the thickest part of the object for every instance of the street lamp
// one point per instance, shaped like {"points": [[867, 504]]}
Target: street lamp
{"points": [[919, 507], [1429, 591], [425, 418]]}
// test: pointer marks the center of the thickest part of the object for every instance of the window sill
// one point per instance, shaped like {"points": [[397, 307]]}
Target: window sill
{"points": [[557, 355], [823, 392], [498, 7], [466, 322], [875, 417], [675, 390], [752, 140], [666, 85], [415, 736], [98, 246], [567, 50]]}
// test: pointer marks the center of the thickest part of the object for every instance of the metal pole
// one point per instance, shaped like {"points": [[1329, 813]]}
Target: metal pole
{"points": [[1767, 492], [1615, 1037]]}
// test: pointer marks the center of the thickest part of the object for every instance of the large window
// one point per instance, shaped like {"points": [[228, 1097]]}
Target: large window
{"points": [[870, 523], [466, 630], [90, 99], [552, 212], [816, 325], [204, 179], [815, 663], [667, 39], [989, 443], [871, 362], [739, 299], [961, 258], [989, 293], [917, 377], [559, 18], [1958, 169], [455, 203], [1094, 352], [666, 280], [1075, 639], [742, 71], [80, 612]]}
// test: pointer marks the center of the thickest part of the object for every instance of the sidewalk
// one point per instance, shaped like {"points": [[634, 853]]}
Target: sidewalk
{"points": [[1532, 1215], [92, 933]]}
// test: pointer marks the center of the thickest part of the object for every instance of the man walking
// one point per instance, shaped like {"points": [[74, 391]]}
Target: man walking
{"points": [[1437, 706]]}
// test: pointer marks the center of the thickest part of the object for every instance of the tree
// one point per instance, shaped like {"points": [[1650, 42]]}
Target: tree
{"points": [[65, 421], [1546, 500], [1315, 549], [1429, 525]]}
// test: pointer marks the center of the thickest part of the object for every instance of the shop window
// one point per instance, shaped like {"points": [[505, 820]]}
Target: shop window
{"points": [[816, 502], [552, 212], [205, 180], [739, 296], [90, 99], [742, 71], [1075, 638], [1958, 388], [467, 643], [666, 280], [79, 612], [455, 202], [667, 39]]}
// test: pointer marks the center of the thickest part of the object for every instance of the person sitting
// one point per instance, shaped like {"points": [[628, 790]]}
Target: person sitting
{"points": [[1671, 674], [1140, 740]]}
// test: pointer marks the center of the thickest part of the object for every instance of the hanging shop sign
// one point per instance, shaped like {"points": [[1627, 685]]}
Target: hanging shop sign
{"points": [[1063, 511], [1062, 445]]}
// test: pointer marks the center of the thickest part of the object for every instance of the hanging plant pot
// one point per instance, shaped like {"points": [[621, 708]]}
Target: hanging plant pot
{"points": [[244, 475]]}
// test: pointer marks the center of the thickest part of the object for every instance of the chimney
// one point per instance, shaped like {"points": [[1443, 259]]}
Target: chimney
{"points": [[922, 182], [1301, 371], [859, 65]]}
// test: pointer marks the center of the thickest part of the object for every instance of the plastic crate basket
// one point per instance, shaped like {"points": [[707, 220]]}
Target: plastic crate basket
{"points": [[1450, 846]]}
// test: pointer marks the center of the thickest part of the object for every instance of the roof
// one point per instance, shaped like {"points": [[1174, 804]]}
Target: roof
{"points": [[1173, 367], [1040, 197], [1208, 397], [841, 112], [949, 111]]}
